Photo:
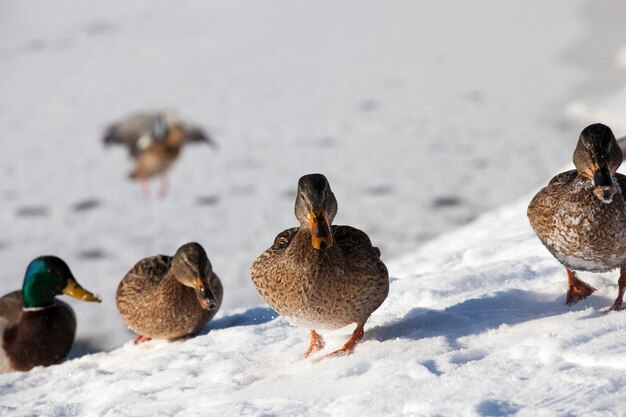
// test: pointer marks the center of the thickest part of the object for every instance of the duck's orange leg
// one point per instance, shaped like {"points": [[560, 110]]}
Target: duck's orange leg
{"points": [[621, 283], [317, 343], [145, 190], [348, 347], [577, 289], [141, 339], [164, 186]]}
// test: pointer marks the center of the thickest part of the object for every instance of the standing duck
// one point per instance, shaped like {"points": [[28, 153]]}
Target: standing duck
{"points": [[580, 217], [322, 276], [165, 297], [36, 329], [154, 140]]}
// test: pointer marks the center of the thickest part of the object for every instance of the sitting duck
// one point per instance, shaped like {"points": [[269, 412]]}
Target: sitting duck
{"points": [[37, 329], [165, 297]]}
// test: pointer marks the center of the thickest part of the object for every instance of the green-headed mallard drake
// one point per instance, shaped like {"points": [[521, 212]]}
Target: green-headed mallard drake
{"points": [[318, 275], [581, 215], [154, 140], [165, 297], [37, 329]]}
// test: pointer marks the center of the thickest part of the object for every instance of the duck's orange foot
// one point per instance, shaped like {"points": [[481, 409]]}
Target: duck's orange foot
{"points": [[317, 344], [349, 346], [618, 305], [164, 188], [578, 289], [142, 339]]}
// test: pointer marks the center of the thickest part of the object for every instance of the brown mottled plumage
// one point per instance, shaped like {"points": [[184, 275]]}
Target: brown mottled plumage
{"points": [[581, 215], [322, 276], [170, 297]]}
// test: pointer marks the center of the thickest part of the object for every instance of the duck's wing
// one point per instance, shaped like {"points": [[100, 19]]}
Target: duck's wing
{"points": [[621, 181], [563, 178], [146, 273], [358, 246], [547, 200], [350, 237], [136, 132], [11, 306], [197, 134], [281, 243]]}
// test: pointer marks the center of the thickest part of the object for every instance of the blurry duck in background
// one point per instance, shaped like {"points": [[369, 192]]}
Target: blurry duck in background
{"points": [[154, 140], [580, 216], [36, 329]]}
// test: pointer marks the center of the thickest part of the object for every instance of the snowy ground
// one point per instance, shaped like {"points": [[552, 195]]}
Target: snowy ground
{"points": [[422, 115], [475, 324]]}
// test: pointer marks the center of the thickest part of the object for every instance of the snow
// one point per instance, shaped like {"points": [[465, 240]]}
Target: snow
{"points": [[477, 328], [418, 127], [422, 115]]}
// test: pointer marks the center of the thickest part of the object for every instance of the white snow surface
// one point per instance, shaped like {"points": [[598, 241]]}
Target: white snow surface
{"points": [[475, 324], [421, 114]]}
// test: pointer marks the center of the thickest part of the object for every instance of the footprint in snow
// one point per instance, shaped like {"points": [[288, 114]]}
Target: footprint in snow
{"points": [[32, 211], [86, 205]]}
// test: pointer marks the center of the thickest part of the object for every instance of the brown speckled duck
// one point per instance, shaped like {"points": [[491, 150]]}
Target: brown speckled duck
{"points": [[322, 276], [166, 297], [154, 140], [581, 215], [36, 329]]}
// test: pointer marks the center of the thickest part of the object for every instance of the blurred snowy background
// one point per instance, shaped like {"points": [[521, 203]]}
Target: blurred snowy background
{"points": [[421, 114]]}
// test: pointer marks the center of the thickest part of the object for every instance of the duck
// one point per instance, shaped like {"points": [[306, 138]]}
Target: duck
{"points": [[621, 141], [36, 329], [170, 297], [154, 140], [320, 275], [580, 216]]}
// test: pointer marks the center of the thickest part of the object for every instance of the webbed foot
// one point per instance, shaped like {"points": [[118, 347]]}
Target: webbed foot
{"points": [[142, 339], [577, 289], [349, 346], [317, 344]]}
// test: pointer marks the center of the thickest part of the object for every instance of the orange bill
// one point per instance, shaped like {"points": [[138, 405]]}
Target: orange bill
{"points": [[205, 295], [321, 232]]}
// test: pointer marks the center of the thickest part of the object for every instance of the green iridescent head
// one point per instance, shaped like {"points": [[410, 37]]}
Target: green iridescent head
{"points": [[47, 277]]}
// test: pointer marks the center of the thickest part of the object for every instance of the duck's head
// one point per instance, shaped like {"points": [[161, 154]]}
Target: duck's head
{"points": [[159, 128], [192, 268], [47, 277], [164, 130], [597, 157], [316, 208]]}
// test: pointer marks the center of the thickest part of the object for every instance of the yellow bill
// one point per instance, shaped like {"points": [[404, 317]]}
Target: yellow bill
{"points": [[73, 289]]}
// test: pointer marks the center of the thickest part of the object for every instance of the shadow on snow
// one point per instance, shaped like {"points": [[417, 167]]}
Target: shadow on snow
{"points": [[250, 317], [478, 315]]}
